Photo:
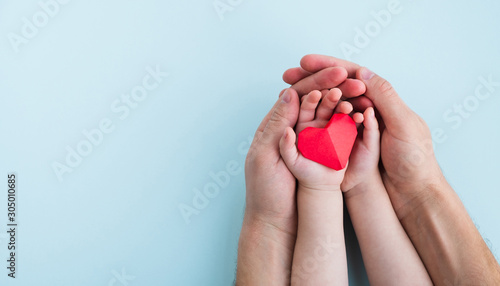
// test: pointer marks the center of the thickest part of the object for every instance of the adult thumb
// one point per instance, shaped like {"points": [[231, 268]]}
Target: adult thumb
{"points": [[284, 114], [391, 107]]}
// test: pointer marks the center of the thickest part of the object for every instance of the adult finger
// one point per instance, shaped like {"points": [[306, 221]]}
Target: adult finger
{"points": [[293, 75], [284, 115], [352, 88], [391, 107], [330, 78], [264, 121], [314, 63], [324, 79]]}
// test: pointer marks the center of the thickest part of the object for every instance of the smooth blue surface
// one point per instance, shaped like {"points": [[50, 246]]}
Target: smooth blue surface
{"points": [[117, 212]]}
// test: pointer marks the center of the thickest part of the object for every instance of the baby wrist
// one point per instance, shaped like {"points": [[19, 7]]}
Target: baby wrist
{"points": [[304, 187]]}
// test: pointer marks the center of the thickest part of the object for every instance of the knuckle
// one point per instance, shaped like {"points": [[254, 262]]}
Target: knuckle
{"points": [[252, 152], [421, 126], [254, 158], [386, 88], [278, 118], [251, 158]]}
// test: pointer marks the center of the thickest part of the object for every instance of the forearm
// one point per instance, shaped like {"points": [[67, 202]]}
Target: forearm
{"points": [[447, 240], [319, 257], [388, 254], [264, 254]]}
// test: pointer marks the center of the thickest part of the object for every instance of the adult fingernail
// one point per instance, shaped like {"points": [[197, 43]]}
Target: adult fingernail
{"points": [[286, 97], [281, 92], [366, 74]]}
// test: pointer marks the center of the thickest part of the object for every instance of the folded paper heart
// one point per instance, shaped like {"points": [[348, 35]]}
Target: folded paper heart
{"points": [[332, 145]]}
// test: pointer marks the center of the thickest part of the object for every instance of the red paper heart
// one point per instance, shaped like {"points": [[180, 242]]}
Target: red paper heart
{"points": [[332, 145]]}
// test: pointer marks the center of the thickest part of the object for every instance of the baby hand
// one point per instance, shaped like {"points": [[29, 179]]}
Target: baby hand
{"points": [[365, 155], [312, 113]]}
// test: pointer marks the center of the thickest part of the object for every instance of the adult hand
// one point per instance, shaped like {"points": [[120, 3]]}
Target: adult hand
{"points": [[408, 159], [433, 216], [269, 228], [270, 196]]}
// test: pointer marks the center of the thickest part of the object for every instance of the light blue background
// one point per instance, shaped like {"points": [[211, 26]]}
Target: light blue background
{"points": [[118, 210]]}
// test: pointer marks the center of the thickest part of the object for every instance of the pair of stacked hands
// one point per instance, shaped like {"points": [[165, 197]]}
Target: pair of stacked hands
{"points": [[412, 227], [326, 136]]}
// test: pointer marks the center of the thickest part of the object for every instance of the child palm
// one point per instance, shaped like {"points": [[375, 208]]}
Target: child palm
{"points": [[313, 114]]}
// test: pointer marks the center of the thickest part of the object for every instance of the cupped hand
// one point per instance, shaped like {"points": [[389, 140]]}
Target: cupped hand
{"points": [[409, 164], [270, 185], [269, 228], [270, 196], [309, 174]]}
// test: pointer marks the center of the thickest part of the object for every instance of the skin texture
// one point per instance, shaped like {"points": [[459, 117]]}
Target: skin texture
{"points": [[319, 200], [431, 213], [388, 254], [269, 227]]}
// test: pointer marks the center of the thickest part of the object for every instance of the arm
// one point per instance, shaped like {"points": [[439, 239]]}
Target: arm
{"points": [[264, 254], [433, 216], [431, 213], [448, 242], [269, 227], [388, 254], [319, 257]]}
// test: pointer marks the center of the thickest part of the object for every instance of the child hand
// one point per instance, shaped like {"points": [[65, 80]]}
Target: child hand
{"points": [[365, 155], [310, 174]]}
